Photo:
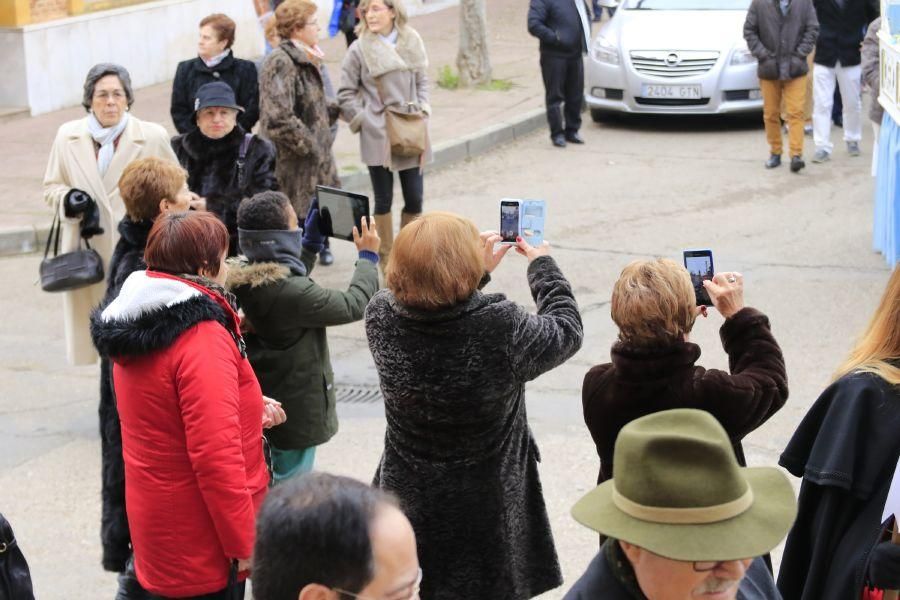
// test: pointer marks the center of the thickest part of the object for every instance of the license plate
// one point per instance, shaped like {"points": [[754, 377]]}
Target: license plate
{"points": [[675, 92]]}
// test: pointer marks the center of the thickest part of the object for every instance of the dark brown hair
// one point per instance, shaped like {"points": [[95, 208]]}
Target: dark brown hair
{"points": [[186, 243], [223, 25]]}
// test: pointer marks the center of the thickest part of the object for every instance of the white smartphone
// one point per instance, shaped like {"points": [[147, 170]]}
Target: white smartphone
{"points": [[523, 218]]}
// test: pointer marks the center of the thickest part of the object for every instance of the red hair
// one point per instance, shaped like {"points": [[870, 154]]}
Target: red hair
{"points": [[187, 242]]}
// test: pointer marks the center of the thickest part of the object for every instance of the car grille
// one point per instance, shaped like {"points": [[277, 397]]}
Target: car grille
{"points": [[672, 101], [672, 64]]}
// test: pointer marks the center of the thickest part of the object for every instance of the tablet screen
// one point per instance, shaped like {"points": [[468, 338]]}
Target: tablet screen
{"points": [[340, 211]]}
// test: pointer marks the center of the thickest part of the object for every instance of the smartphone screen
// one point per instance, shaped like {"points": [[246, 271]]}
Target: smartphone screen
{"points": [[699, 264], [509, 221]]}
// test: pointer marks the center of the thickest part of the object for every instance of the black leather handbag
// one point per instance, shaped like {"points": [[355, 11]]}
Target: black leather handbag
{"points": [[70, 270], [15, 578]]}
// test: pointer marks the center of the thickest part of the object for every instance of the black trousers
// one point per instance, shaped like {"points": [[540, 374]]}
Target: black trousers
{"points": [[564, 91], [411, 182]]}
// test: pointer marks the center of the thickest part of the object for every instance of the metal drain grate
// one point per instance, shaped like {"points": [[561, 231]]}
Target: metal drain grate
{"points": [[359, 394]]}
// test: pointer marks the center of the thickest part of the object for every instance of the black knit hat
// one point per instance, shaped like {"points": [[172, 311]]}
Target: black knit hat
{"points": [[217, 93]]}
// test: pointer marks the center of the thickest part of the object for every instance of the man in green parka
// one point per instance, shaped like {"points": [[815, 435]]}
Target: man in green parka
{"points": [[286, 314]]}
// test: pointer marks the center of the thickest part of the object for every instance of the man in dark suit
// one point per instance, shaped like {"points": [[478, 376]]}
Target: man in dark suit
{"points": [[564, 29]]}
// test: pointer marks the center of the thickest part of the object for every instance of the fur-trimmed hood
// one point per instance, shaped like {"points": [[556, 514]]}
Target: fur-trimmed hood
{"points": [[381, 58], [152, 311], [244, 273]]}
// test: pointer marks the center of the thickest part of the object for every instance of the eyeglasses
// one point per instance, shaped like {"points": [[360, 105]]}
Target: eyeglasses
{"points": [[116, 95], [313, 23], [407, 592]]}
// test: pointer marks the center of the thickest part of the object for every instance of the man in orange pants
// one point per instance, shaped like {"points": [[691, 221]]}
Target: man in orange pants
{"points": [[781, 34]]}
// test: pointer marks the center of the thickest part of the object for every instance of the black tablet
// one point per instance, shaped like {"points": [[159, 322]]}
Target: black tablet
{"points": [[340, 211]]}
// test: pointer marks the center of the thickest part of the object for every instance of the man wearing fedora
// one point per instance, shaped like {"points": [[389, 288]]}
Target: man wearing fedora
{"points": [[683, 520]]}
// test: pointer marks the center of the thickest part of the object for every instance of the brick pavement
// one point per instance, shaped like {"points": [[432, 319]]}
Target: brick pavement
{"points": [[25, 141]]}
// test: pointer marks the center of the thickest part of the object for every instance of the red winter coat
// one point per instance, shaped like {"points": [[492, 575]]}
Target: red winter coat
{"points": [[191, 415]]}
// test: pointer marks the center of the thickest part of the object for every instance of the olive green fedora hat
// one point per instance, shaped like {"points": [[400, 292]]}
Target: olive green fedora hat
{"points": [[679, 492]]}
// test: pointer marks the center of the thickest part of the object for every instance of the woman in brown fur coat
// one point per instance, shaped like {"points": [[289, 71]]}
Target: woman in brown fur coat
{"points": [[654, 363], [295, 112], [385, 68]]}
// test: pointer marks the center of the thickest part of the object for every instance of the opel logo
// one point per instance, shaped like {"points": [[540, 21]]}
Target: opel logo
{"points": [[673, 59]]}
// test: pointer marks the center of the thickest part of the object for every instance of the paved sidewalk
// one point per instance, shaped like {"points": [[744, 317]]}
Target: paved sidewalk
{"points": [[25, 142]]}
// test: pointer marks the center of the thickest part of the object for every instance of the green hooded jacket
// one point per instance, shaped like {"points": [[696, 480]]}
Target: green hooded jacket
{"points": [[286, 343]]}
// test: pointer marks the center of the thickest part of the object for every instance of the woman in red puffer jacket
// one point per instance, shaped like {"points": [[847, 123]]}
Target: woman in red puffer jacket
{"points": [[191, 412]]}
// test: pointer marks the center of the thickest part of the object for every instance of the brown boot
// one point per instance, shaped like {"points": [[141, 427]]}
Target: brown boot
{"points": [[406, 218], [384, 224]]}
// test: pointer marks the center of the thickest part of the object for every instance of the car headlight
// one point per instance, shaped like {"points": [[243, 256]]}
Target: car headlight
{"points": [[604, 51], [742, 56]]}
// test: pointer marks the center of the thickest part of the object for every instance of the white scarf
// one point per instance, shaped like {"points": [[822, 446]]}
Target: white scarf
{"points": [[106, 137], [215, 60]]}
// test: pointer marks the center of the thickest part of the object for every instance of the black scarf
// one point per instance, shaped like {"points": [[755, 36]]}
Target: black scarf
{"points": [[282, 246]]}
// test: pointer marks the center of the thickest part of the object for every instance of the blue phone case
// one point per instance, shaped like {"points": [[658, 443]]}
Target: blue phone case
{"points": [[531, 221]]}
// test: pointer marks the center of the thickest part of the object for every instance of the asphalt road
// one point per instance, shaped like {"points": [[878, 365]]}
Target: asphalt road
{"points": [[638, 188]]}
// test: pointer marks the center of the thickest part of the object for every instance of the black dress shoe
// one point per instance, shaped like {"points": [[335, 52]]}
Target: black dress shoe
{"points": [[559, 141], [774, 161], [797, 164], [574, 138], [326, 258]]}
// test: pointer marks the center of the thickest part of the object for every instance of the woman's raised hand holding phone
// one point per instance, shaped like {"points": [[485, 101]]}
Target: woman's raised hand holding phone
{"points": [[493, 253], [532, 252], [726, 290]]}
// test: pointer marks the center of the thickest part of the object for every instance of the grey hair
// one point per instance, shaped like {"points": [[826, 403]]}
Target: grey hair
{"points": [[98, 72]]}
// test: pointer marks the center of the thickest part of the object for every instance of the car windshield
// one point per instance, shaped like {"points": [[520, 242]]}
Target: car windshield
{"points": [[687, 4]]}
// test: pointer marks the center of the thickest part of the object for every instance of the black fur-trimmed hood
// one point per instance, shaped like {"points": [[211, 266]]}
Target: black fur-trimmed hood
{"points": [[151, 312]]}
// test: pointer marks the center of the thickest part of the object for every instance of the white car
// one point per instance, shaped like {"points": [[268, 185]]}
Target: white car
{"points": [[672, 57]]}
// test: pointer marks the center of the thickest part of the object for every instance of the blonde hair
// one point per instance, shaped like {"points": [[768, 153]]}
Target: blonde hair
{"points": [[653, 303], [400, 14], [145, 182], [293, 14], [880, 343], [436, 261]]}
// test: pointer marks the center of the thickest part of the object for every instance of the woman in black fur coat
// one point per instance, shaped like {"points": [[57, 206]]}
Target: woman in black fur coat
{"points": [[225, 164], [149, 187], [458, 451]]}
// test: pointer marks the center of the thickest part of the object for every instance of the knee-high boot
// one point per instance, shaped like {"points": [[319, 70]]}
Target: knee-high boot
{"points": [[384, 224], [406, 218]]}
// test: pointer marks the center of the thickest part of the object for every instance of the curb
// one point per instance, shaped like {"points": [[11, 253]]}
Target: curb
{"points": [[25, 240]]}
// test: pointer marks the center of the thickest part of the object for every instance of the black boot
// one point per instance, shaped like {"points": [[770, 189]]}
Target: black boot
{"points": [[797, 164], [774, 161], [129, 588], [326, 258]]}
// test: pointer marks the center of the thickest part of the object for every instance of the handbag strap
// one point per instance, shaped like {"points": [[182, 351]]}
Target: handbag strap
{"points": [[53, 237], [412, 92], [242, 157]]}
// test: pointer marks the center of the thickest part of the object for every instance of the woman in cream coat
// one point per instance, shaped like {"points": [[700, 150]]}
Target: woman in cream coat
{"points": [[386, 67], [89, 155]]}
